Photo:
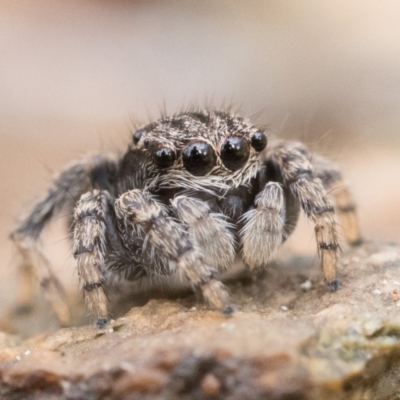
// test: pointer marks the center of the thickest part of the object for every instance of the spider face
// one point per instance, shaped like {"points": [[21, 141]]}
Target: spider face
{"points": [[202, 148]]}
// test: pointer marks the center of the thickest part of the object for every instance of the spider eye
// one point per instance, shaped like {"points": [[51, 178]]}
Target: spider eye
{"points": [[199, 158], [235, 152], [164, 157], [259, 141], [137, 135]]}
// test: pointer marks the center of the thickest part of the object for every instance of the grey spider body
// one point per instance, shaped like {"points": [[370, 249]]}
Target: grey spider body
{"points": [[191, 192]]}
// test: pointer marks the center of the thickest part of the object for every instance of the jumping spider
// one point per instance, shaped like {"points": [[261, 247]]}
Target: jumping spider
{"points": [[191, 191]]}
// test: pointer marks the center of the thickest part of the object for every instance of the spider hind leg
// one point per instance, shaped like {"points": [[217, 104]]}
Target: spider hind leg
{"points": [[344, 203], [33, 263]]}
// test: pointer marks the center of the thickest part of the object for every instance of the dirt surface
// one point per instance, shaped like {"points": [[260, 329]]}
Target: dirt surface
{"points": [[290, 339]]}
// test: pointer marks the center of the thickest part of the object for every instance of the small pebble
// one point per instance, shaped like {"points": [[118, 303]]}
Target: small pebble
{"points": [[111, 330], [307, 285], [384, 257], [228, 326], [210, 385], [27, 352], [284, 308], [377, 291], [18, 358], [372, 326], [127, 366], [385, 281], [397, 283]]}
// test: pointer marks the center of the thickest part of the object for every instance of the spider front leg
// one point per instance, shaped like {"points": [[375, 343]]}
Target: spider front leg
{"points": [[89, 247], [209, 230], [171, 238], [263, 231], [297, 173]]}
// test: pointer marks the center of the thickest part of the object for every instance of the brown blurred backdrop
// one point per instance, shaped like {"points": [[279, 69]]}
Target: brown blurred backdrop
{"points": [[77, 75]]}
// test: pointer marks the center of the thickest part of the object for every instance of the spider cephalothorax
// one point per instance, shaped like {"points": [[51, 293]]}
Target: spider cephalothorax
{"points": [[192, 191], [199, 150]]}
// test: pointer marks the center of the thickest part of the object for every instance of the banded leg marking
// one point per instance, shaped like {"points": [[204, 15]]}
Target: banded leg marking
{"points": [[345, 206]]}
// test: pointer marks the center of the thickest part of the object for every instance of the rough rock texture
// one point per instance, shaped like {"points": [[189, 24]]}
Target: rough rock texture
{"points": [[290, 339]]}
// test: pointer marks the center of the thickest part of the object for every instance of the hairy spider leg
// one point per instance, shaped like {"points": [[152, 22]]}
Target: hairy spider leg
{"points": [[345, 205], [264, 228], [298, 174], [211, 231], [89, 249], [34, 263], [66, 188], [171, 238]]}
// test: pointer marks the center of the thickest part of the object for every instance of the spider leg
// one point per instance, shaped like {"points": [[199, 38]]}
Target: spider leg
{"points": [[209, 230], [89, 247], [345, 206], [263, 231], [172, 239], [68, 186], [297, 173], [34, 263]]}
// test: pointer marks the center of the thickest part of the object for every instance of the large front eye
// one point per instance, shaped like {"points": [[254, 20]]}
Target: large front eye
{"points": [[199, 158], [235, 152], [164, 157]]}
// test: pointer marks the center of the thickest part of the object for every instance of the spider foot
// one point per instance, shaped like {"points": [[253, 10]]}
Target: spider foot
{"points": [[101, 323], [22, 310], [229, 310], [357, 243], [334, 285]]}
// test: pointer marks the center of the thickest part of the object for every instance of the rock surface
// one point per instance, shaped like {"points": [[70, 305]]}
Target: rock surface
{"points": [[290, 339]]}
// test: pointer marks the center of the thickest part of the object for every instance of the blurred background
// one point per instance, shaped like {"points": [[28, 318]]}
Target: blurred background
{"points": [[78, 76]]}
